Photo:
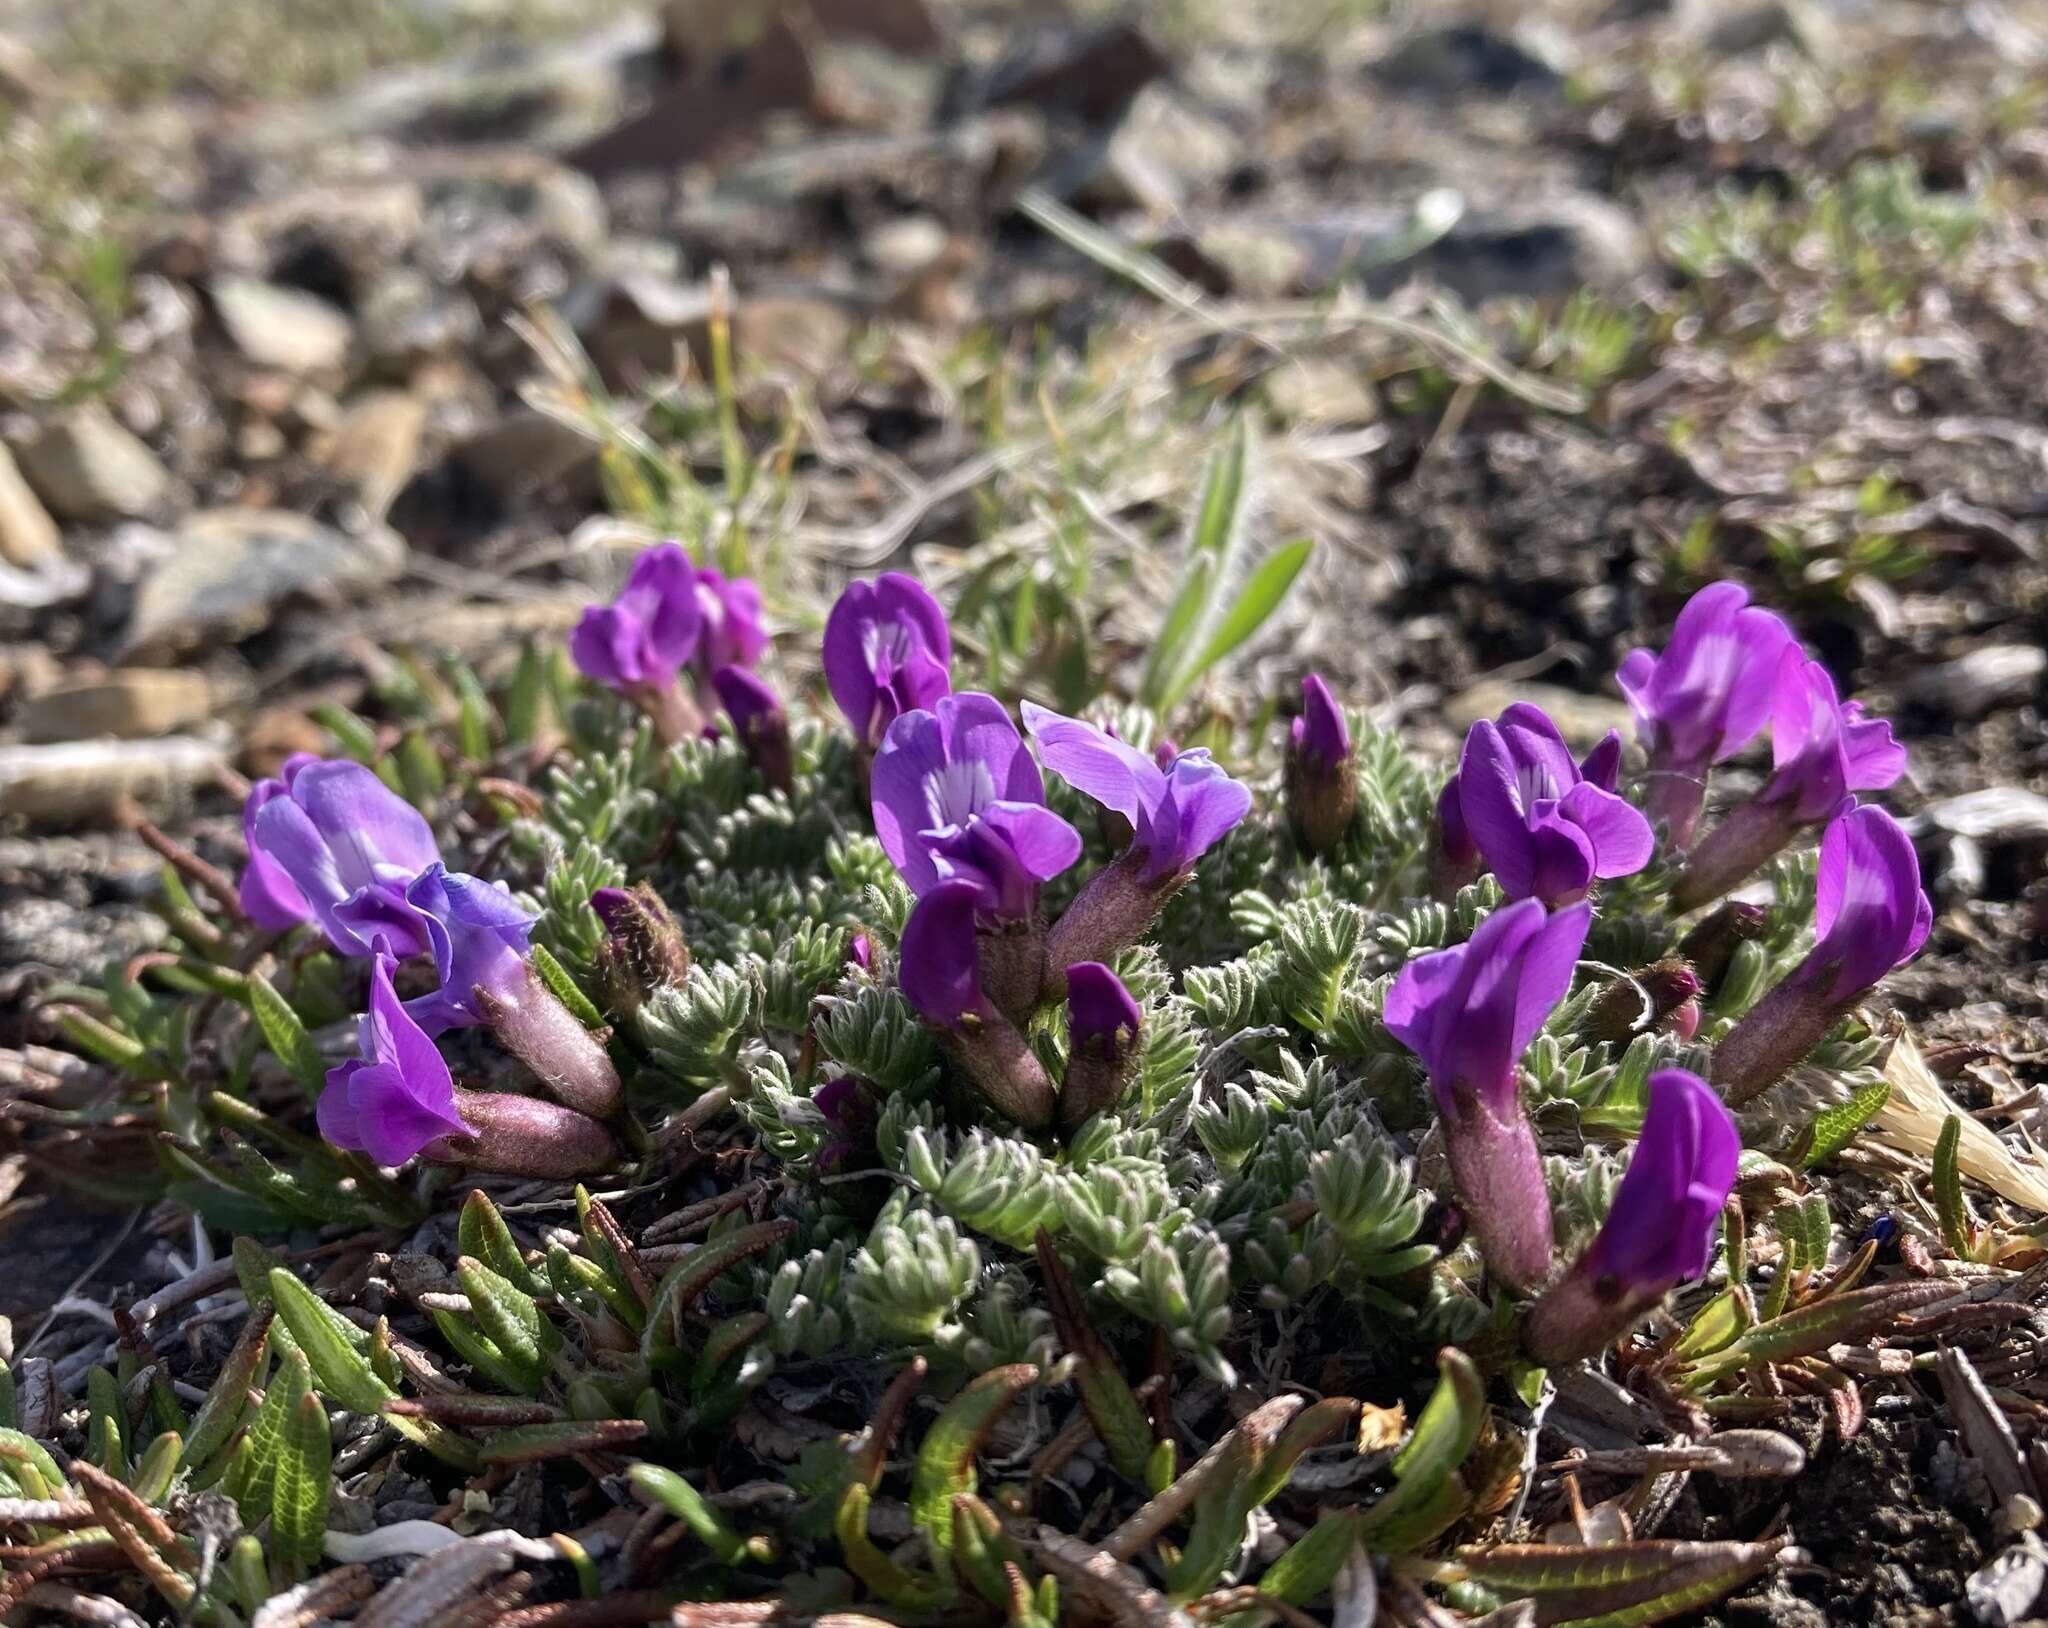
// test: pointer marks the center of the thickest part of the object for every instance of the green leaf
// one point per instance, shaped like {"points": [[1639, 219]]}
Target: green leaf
{"points": [[298, 1500], [1835, 1128], [565, 988], [1253, 605], [1951, 1207], [671, 1492], [1216, 536], [252, 1474], [352, 733], [874, 1568], [945, 1462], [482, 1232], [1428, 1495], [286, 1036], [509, 1319], [338, 1351], [1813, 1328], [527, 698], [536, 1443], [228, 1399], [689, 1278], [107, 1432]]}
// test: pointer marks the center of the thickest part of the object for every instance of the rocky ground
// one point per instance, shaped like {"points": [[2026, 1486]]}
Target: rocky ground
{"points": [[335, 347]]}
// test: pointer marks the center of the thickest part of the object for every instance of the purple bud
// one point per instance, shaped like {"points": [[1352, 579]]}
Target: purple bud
{"points": [[1628, 1007], [1454, 861], [1659, 1232], [1869, 916], [512, 1135], [887, 652], [1322, 780], [850, 1119], [860, 952], [762, 725], [1822, 749], [1704, 699], [1469, 1012], [1103, 1028], [1164, 751], [938, 970], [643, 949], [1545, 828]]}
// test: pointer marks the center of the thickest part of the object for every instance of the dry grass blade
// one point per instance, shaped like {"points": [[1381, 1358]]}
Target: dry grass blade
{"points": [[325, 1596], [1112, 1588], [437, 1583], [93, 1608], [1912, 1117], [1985, 1427], [145, 1537]]}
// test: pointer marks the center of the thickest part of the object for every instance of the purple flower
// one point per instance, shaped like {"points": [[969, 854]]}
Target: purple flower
{"points": [[1320, 736], [1659, 1232], [1869, 913], [758, 719], [1547, 827], [733, 632], [849, 1121], [1103, 1026], [1101, 1014], [1177, 813], [1704, 698], [887, 652], [479, 938], [937, 964], [938, 968], [270, 898], [649, 633], [1822, 748], [398, 1096], [1469, 1012], [1869, 916], [957, 797], [329, 831], [643, 949]]}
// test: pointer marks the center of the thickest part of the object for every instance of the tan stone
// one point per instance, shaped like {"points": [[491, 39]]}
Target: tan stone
{"points": [[132, 703], [377, 446], [28, 536]]}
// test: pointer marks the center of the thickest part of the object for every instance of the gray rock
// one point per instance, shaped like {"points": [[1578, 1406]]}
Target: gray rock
{"points": [[1553, 245], [133, 703], [905, 246], [1996, 814], [28, 536], [405, 316], [1990, 677], [86, 466], [228, 570], [1737, 30], [522, 452], [283, 328], [1468, 57], [83, 780]]}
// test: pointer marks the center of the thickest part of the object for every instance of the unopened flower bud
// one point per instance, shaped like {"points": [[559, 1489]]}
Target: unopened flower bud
{"points": [[1712, 942], [524, 1136], [1103, 1028], [1322, 778], [1454, 860], [759, 721], [643, 948], [1627, 1007]]}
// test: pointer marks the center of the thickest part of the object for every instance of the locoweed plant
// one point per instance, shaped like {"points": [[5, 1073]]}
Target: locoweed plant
{"points": [[974, 1164]]}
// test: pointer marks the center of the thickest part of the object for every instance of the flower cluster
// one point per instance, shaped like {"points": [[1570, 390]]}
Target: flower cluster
{"points": [[1022, 997], [670, 618], [330, 845], [1550, 828]]}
